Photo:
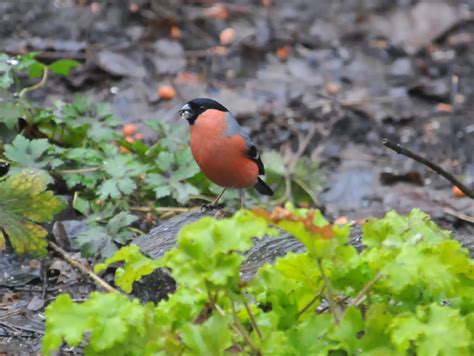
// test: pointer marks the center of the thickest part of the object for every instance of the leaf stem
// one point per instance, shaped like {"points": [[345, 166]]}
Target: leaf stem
{"points": [[311, 302], [335, 309], [252, 320], [241, 329], [363, 293], [80, 170], [36, 86]]}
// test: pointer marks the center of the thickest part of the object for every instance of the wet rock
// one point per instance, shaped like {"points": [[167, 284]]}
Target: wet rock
{"points": [[16, 271], [121, 64]]}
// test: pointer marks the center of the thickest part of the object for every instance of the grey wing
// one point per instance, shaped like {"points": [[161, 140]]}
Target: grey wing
{"points": [[233, 128]]}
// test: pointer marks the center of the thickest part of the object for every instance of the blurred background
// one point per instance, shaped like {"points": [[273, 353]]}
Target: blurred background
{"points": [[326, 80]]}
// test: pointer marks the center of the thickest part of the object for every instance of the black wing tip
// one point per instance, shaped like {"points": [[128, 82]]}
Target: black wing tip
{"points": [[263, 188]]}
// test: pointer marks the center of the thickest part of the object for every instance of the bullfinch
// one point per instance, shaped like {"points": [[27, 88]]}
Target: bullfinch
{"points": [[222, 148]]}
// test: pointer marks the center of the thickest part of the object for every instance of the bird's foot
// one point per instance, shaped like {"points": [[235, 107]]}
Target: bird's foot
{"points": [[205, 208]]}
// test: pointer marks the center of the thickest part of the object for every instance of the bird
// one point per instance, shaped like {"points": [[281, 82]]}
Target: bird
{"points": [[223, 150]]}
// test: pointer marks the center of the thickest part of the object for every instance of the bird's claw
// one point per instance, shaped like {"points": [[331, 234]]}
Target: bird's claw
{"points": [[205, 208]]}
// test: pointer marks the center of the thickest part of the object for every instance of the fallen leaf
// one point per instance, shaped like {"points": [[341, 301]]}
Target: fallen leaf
{"points": [[227, 36]]}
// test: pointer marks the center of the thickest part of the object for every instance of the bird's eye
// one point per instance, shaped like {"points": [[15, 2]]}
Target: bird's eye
{"points": [[202, 107]]}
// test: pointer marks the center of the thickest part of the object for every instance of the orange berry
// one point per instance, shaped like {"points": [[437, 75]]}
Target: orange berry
{"points": [[458, 193], [139, 136], [129, 129], [332, 88], [175, 32], [166, 92], [443, 107], [282, 53], [227, 36]]}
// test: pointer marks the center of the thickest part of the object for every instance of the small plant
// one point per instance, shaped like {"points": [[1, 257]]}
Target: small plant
{"points": [[79, 144], [410, 291]]}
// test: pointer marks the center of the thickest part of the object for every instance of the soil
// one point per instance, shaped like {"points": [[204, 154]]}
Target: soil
{"points": [[356, 71]]}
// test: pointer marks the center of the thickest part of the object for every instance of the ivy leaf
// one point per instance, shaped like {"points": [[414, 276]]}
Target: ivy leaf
{"points": [[24, 202], [104, 239]]}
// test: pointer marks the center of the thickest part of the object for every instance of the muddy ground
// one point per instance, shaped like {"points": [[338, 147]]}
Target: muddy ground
{"points": [[357, 71]]}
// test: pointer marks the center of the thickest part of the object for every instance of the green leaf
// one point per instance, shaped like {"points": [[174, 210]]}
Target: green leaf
{"points": [[349, 331], [136, 266], [204, 253], [63, 66], [24, 202], [435, 330], [274, 162], [9, 113], [104, 239], [212, 337], [110, 319], [28, 153]]}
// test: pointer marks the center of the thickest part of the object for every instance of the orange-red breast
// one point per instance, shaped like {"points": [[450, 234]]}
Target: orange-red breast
{"points": [[222, 148]]}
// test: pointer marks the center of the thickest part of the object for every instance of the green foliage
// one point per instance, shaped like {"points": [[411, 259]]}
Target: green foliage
{"points": [[293, 179], [327, 300], [135, 266], [105, 237], [24, 202]]}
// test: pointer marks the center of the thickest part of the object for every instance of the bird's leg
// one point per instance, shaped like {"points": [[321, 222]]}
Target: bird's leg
{"points": [[241, 194], [208, 207]]}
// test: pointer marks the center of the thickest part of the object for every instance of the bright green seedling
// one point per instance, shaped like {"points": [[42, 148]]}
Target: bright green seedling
{"points": [[25, 202]]}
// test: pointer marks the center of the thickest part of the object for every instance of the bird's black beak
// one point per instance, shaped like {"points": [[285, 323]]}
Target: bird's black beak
{"points": [[185, 112]]}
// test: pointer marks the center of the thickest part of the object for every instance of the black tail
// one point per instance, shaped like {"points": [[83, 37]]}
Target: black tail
{"points": [[263, 188]]}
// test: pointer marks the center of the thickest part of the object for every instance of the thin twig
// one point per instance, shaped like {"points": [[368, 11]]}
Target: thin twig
{"points": [[24, 328], [36, 86], [363, 293], [80, 170], [459, 215], [400, 150], [83, 269], [252, 320], [311, 302], [335, 309]]}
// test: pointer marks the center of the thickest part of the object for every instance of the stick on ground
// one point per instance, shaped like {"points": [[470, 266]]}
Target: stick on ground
{"points": [[83, 269], [400, 150]]}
